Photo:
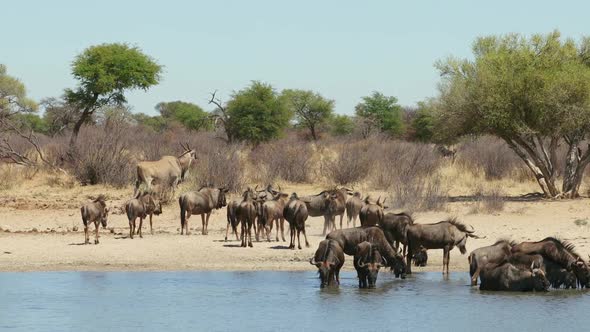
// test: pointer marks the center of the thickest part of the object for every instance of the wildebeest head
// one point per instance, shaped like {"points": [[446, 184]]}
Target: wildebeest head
{"points": [[157, 205], [373, 267], [582, 272], [221, 199], [325, 270], [104, 217], [399, 266], [540, 282], [421, 257]]}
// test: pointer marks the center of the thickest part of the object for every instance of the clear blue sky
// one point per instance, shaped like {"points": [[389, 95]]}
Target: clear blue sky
{"points": [[342, 49]]}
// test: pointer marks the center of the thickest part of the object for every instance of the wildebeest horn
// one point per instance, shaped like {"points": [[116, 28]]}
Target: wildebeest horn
{"points": [[256, 188], [361, 263], [384, 261], [313, 262]]}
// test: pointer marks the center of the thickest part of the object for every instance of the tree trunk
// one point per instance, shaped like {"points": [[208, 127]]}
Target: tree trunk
{"points": [[571, 165], [76, 130], [534, 161], [313, 133]]}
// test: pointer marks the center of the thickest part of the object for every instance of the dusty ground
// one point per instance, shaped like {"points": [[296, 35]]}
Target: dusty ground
{"points": [[38, 235]]}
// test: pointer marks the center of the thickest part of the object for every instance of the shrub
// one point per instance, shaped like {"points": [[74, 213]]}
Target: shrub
{"points": [[104, 156], [220, 165], [287, 159], [351, 164], [490, 155]]}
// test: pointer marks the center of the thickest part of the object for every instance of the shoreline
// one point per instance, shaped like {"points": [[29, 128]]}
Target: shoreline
{"points": [[44, 240]]}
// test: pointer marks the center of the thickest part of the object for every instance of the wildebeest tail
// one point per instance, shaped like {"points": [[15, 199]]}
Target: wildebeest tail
{"points": [[182, 212], [472, 264]]}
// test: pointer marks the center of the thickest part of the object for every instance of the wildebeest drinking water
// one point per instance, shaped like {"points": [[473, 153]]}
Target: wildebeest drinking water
{"points": [[94, 212], [328, 258], [295, 213], [367, 262], [443, 235], [510, 277], [560, 252], [202, 202], [496, 253], [143, 205], [349, 238]]}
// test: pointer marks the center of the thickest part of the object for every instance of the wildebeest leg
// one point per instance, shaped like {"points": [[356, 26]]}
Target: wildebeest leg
{"points": [[337, 273], [282, 228], [243, 233], [96, 224], [326, 224], [151, 229], [86, 236], [445, 258], [409, 260], [341, 217], [250, 222], [207, 223], [188, 215], [299, 239], [291, 237], [475, 277], [131, 227], [227, 230], [305, 235], [140, 225], [354, 221], [203, 230]]}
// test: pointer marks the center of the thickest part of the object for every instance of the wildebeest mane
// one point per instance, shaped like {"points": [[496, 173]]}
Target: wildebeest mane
{"points": [[453, 221], [562, 244], [512, 243]]}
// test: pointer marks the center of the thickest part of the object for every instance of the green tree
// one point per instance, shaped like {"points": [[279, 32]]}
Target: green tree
{"points": [[59, 115], [156, 123], [380, 112], [13, 95], [30, 121], [256, 114], [189, 115], [341, 125], [311, 110], [105, 72], [531, 92], [423, 122]]}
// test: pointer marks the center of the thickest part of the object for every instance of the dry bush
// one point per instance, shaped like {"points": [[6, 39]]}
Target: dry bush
{"points": [[220, 166], [287, 159], [351, 164], [401, 163], [104, 155], [9, 177], [493, 157], [410, 172], [488, 200]]}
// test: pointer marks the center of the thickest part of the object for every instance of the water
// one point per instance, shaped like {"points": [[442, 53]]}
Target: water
{"points": [[271, 301]]}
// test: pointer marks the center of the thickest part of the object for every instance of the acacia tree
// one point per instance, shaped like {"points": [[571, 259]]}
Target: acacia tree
{"points": [[311, 109], [15, 109], [189, 115], [105, 72], [380, 112], [256, 114], [534, 93]]}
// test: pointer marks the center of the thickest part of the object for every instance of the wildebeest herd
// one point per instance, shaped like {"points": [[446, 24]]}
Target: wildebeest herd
{"points": [[382, 239]]}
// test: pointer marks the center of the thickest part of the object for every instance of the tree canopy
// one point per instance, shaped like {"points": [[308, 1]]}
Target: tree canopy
{"points": [[257, 114], [13, 95], [104, 73], [381, 112], [531, 92], [341, 125], [189, 115], [311, 110]]}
